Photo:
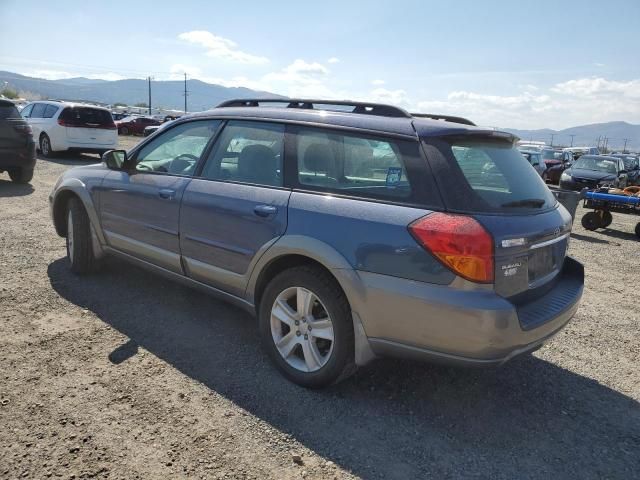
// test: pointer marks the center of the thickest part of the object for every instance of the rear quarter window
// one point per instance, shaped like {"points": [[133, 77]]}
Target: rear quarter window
{"points": [[488, 176]]}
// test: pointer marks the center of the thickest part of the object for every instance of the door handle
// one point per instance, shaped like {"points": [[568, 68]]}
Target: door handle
{"points": [[167, 193], [265, 210]]}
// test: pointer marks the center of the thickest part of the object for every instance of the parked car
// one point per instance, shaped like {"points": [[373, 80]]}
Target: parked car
{"points": [[64, 126], [593, 171], [535, 159], [632, 166], [555, 168], [17, 148], [119, 116], [135, 125], [154, 128], [368, 232]]}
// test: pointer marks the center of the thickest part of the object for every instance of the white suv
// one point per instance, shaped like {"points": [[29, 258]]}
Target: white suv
{"points": [[63, 126]]}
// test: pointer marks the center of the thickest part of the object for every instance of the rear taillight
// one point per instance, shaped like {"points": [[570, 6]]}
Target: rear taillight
{"points": [[459, 242], [62, 123], [24, 129]]}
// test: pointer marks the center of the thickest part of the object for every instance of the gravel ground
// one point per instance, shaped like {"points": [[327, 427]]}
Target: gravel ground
{"points": [[125, 375]]}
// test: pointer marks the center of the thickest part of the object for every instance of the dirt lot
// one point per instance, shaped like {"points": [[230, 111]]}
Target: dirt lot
{"points": [[125, 375]]}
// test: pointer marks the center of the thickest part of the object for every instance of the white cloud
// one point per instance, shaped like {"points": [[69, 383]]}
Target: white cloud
{"points": [[49, 74], [377, 82], [220, 47], [586, 87], [383, 95], [111, 76], [569, 103], [299, 79], [333, 60]]}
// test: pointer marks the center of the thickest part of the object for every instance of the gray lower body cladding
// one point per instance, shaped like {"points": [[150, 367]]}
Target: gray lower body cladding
{"points": [[460, 326]]}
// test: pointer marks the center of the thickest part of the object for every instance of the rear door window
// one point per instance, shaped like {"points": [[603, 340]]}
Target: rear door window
{"points": [[49, 111], [38, 110], [248, 152], [352, 164], [484, 176], [87, 117]]}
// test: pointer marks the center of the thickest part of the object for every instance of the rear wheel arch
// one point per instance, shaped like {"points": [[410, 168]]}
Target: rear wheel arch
{"points": [[280, 264]]}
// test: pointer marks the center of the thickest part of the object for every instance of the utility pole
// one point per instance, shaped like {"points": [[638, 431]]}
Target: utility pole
{"points": [[149, 79], [604, 147], [185, 92], [624, 150], [599, 141], [572, 139], [552, 135]]}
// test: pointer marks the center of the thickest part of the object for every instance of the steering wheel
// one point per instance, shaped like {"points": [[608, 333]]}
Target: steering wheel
{"points": [[181, 162]]}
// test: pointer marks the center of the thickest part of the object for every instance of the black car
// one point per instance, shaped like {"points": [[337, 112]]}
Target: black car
{"points": [[17, 147], [632, 166], [593, 171]]}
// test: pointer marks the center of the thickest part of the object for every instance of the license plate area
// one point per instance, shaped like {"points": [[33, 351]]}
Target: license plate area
{"points": [[545, 261]]}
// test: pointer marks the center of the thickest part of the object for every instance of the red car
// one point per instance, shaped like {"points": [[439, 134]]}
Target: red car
{"points": [[556, 162], [135, 125]]}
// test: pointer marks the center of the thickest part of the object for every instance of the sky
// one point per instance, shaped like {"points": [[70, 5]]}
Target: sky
{"points": [[527, 64]]}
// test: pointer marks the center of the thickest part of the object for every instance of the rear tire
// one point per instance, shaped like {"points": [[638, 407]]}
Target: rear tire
{"points": [[45, 146], [312, 361], [79, 244], [591, 221], [21, 175]]}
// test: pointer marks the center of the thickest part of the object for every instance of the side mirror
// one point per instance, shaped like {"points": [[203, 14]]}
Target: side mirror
{"points": [[115, 159]]}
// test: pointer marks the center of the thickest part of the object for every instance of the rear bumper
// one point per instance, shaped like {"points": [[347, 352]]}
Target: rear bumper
{"points": [[24, 157], [463, 327]]}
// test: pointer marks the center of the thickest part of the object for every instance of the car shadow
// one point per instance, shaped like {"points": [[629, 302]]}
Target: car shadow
{"points": [[11, 189], [585, 238], [71, 158], [619, 234], [393, 419]]}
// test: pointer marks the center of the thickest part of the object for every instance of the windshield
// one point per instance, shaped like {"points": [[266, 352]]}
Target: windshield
{"points": [[499, 177], [596, 164]]}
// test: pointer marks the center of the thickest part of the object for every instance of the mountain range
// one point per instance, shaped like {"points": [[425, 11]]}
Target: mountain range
{"points": [[169, 94], [588, 135]]}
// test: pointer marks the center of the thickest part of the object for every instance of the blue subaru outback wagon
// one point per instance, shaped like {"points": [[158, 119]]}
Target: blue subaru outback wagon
{"points": [[351, 230]]}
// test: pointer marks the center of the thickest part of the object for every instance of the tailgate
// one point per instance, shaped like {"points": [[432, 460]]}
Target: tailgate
{"points": [[529, 250]]}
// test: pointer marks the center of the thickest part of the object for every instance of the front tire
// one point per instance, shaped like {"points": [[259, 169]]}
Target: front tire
{"points": [[123, 131], [79, 245], [306, 327], [21, 175]]}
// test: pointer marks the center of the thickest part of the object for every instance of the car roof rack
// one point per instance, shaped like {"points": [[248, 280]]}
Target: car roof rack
{"points": [[366, 108], [446, 118]]}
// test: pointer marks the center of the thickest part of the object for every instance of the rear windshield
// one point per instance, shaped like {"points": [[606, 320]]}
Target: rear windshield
{"points": [[86, 117], [497, 178], [8, 111]]}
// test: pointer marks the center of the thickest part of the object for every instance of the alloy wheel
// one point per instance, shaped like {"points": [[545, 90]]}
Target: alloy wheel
{"points": [[302, 329]]}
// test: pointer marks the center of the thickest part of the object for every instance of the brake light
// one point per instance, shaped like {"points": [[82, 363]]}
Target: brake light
{"points": [[24, 129], [459, 242], [62, 123]]}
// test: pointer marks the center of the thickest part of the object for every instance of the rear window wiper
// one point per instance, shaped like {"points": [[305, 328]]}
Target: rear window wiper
{"points": [[527, 202]]}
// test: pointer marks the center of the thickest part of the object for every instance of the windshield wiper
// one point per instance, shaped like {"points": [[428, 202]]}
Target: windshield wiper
{"points": [[527, 202]]}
